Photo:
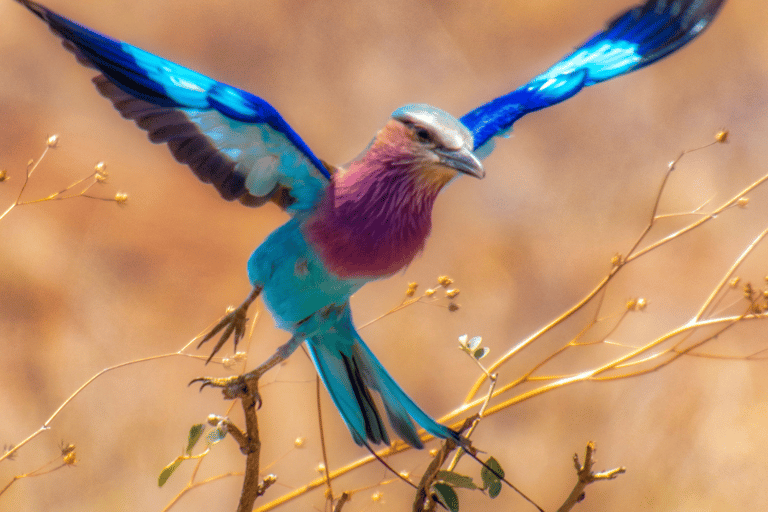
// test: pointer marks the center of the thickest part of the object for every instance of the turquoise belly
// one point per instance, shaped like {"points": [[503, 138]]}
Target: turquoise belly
{"points": [[295, 282]]}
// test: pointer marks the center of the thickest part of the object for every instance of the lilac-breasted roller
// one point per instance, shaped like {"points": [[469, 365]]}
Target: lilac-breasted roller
{"points": [[357, 222]]}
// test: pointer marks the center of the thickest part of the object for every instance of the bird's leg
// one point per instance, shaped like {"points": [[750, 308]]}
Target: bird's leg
{"points": [[237, 386], [234, 321]]}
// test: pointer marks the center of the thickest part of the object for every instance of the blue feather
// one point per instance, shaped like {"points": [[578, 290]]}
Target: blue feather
{"points": [[349, 369], [313, 304], [161, 90], [633, 40]]}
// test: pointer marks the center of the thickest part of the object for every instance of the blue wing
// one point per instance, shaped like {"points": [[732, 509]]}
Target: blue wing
{"points": [[227, 136], [634, 39]]}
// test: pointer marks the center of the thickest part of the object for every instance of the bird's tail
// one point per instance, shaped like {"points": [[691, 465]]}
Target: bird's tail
{"points": [[350, 371]]}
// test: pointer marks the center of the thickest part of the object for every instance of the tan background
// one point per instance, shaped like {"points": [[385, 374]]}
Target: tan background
{"points": [[85, 284]]}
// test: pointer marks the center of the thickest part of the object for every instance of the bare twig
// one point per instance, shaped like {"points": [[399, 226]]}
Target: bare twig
{"points": [[237, 433], [586, 476], [194, 485], [99, 175], [322, 440], [252, 488], [429, 297], [620, 262], [66, 458], [423, 500]]}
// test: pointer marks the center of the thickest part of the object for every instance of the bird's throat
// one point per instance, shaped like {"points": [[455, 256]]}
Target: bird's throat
{"points": [[374, 219]]}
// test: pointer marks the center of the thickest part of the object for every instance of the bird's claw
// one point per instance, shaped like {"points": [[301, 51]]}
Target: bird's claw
{"points": [[233, 322], [236, 386]]}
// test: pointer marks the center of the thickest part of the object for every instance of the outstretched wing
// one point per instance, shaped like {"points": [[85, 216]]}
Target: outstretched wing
{"points": [[634, 39], [228, 137]]}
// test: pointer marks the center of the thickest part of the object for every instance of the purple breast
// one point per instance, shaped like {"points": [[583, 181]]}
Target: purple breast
{"points": [[371, 224]]}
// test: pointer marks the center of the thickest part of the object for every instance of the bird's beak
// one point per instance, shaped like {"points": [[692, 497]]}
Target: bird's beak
{"points": [[463, 160]]}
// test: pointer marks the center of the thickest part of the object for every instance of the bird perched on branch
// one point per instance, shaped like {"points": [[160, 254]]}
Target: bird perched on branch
{"points": [[354, 223]]}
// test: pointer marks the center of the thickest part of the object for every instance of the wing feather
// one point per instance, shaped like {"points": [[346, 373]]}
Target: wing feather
{"points": [[632, 40], [228, 137]]}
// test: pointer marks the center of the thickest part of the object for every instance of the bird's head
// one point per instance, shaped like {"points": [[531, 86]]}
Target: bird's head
{"points": [[440, 144], [377, 213], [422, 145]]}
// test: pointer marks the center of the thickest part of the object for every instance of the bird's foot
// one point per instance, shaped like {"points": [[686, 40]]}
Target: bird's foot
{"points": [[236, 386], [233, 322], [247, 385]]}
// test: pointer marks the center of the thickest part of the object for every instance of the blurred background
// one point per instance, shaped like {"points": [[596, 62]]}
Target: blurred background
{"points": [[86, 284]]}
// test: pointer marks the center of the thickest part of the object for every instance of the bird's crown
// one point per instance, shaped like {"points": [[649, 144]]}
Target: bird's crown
{"points": [[439, 125]]}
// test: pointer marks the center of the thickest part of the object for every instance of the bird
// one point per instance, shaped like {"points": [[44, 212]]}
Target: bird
{"points": [[357, 222]]}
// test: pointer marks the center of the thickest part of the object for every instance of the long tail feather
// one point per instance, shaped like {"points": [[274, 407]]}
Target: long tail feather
{"points": [[350, 371]]}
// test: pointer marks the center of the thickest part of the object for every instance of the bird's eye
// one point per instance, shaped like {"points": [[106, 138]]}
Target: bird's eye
{"points": [[423, 134]]}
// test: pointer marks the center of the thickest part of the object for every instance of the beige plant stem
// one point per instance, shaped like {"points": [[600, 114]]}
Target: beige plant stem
{"points": [[590, 296]]}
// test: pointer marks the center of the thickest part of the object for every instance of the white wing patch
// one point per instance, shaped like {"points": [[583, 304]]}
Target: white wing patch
{"points": [[263, 156]]}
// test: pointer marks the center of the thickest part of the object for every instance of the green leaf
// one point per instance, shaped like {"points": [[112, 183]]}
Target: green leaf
{"points": [[216, 435], [494, 489], [194, 436], [456, 480], [481, 353], [167, 471], [491, 477], [447, 496], [474, 343], [494, 473]]}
